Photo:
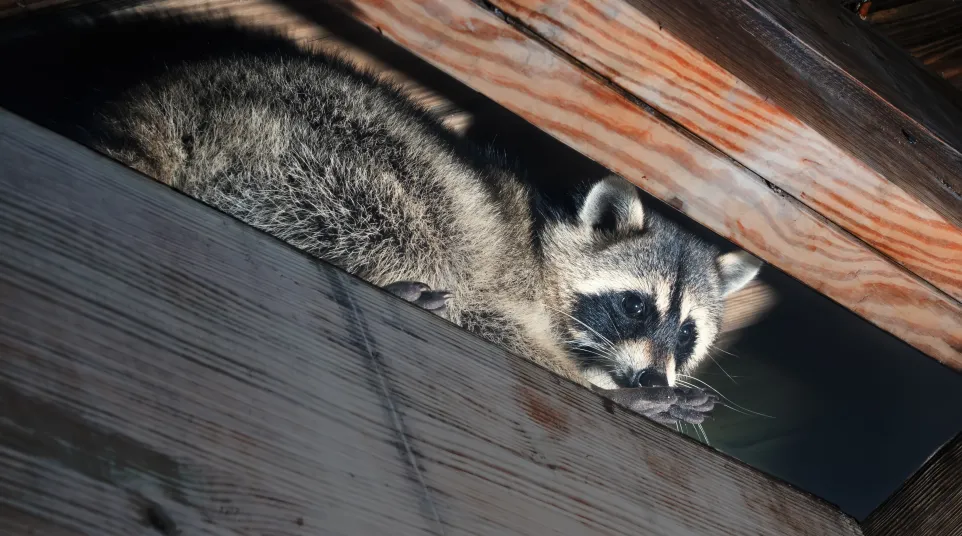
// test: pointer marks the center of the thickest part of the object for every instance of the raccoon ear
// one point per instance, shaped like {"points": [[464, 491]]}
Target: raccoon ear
{"points": [[736, 269], [613, 204]]}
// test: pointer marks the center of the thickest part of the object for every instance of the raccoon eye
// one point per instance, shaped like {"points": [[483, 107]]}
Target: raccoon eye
{"points": [[686, 334], [633, 305]]}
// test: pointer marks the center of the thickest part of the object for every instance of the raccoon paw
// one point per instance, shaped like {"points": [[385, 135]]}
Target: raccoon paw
{"points": [[421, 295], [666, 405], [648, 401], [692, 406]]}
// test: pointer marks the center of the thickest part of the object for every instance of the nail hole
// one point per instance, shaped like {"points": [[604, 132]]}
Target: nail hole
{"points": [[909, 137]]}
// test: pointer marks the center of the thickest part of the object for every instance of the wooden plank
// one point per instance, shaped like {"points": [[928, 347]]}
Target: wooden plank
{"points": [[485, 53], [634, 52], [167, 367], [830, 70], [929, 503]]}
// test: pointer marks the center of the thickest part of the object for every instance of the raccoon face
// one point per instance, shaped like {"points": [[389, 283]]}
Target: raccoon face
{"points": [[641, 299]]}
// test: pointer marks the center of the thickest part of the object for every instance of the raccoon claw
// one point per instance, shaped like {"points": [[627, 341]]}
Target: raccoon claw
{"points": [[694, 397], [687, 415], [421, 295], [692, 406]]}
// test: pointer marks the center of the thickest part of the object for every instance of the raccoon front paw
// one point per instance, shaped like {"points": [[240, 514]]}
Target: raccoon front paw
{"points": [[666, 405], [692, 406], [421, 295]]}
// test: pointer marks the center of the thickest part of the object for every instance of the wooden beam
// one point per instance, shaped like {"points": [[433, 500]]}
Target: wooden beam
{"points": [[830, 70], [929, 503], [634, 52], [166, 366], [532, 80]]}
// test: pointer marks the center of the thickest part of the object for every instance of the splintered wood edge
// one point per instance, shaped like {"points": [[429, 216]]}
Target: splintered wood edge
{"points": [[628, 48], [531, 80], [166, 367]]}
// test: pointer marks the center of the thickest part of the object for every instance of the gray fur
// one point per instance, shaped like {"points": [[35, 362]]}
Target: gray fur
{"points": [[342, 167]]}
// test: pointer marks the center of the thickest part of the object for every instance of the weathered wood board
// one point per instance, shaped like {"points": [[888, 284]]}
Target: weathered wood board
{"points": [[929, 504], [166, 367], [483, 51], [830, 70]]}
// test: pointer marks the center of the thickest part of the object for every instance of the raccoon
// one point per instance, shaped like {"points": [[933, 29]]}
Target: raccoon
{"points": [[343, 166]]}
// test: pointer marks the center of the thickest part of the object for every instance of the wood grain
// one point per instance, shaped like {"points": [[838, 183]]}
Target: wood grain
{"points": [[928, 504], [831, 71], [167, 369], [481, 50], [631, 50]]}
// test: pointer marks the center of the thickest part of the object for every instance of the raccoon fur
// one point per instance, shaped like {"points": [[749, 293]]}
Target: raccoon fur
{"points": [[342, 166]]}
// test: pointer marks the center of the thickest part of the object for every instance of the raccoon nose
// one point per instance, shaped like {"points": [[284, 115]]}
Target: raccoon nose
{"points": [[650, 378]]}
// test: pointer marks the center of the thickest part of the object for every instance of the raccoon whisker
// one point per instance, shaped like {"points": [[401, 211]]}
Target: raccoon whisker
{"points": [[726, 352], [686, 384], [713, 360], [595, 353], [599, 352], [694, 430], [586, 344], [748, 412], [605, 339], [731, 405], [613, 323], [703, 433]]}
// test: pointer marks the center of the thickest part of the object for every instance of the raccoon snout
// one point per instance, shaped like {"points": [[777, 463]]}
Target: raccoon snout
{"points": [[649, 378]]}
